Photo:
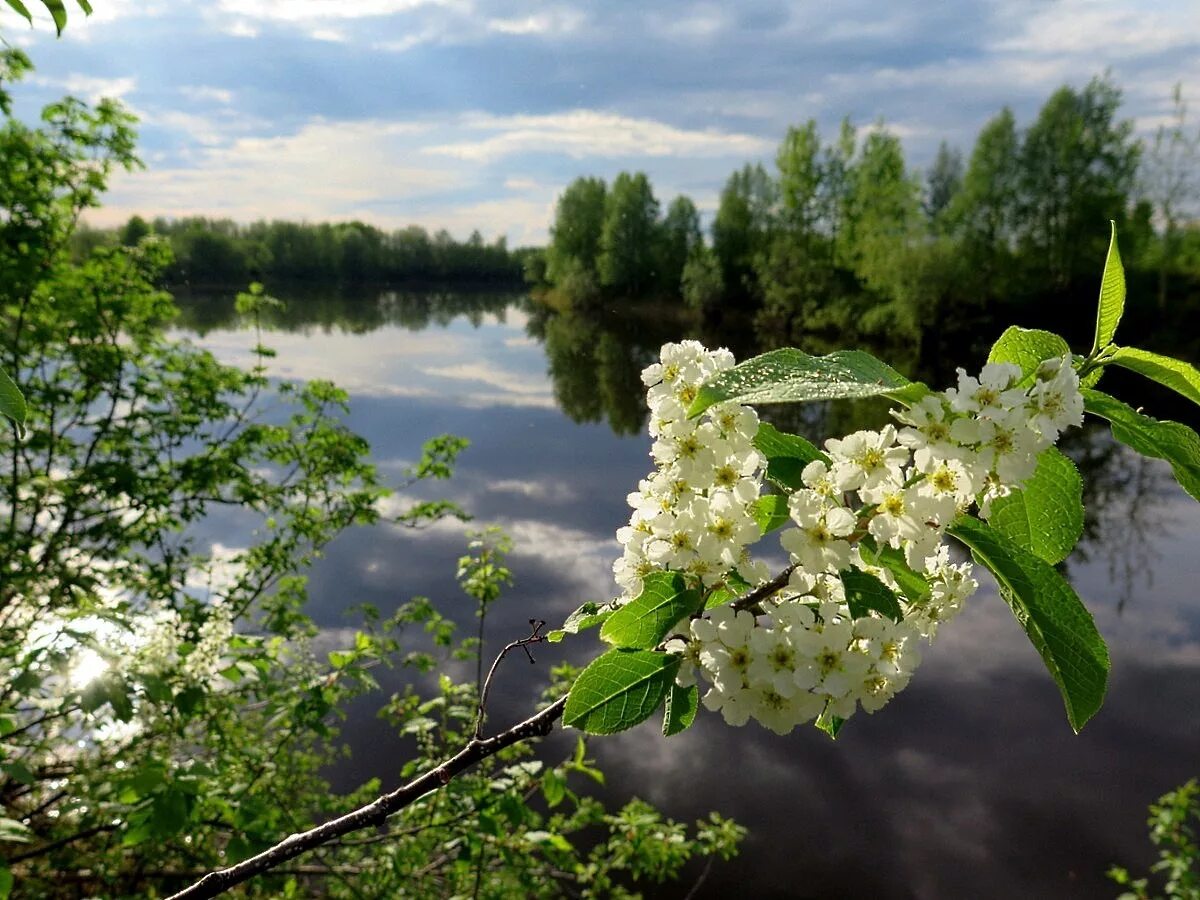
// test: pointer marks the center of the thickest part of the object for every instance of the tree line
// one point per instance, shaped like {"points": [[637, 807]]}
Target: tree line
{"points": [[842, 236], [224, 252]]}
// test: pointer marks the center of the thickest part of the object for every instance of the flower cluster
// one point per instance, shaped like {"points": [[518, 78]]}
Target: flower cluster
{"points": [[694, 513], [877, 502]]}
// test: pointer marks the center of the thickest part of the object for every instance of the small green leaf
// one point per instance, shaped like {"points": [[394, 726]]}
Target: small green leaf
{"points": [[770, 511], [866, 593], [1179, 376], [1026, 347], [58, 12], [619, 689], [588, 615], [22, 10], [680, 710], [1112, 295], [1046, 516], [12, 402], [6, 881], [1056, 622], [1176, 443], [793, 376], [914, 586], [648, 618], [787, 455], [554, 787], [830, 724]]}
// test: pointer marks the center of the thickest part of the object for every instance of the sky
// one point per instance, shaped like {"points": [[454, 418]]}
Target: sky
{"points": [[465, 114]]}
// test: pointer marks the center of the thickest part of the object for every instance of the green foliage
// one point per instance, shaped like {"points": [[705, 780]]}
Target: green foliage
{"points": [[1044, 517], [793, 376], [1027, 347], [1181, 377], [626, 262], [866, 594], [12, 403], [679, 711], [56, 8], [648, 618], [619, 689], [1057, 623], [1173, 821], [771, 512], [1171, 441], [1112, 296]]}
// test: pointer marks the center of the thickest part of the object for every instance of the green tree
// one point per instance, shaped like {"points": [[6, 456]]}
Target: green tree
{"points": [[578, 223], [742, 227], [1078, 167], [679, 240], [627, 258], [1170, 184], [942, 184]]}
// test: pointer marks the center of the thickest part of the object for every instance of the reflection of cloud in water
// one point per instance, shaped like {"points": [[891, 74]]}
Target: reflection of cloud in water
{"points": [[486, 374]]}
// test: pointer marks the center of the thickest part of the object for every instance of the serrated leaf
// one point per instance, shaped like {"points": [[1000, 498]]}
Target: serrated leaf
{"points": [[793, 376], [680, 710], [913, 585], [1055, 620], [866, 593], [588, 615], [648, 618], [1026, 347], [12, 402], [1046, 516], [770, 511], [1172, 441], [1179, 376], [619, 689], [1112, 295]]}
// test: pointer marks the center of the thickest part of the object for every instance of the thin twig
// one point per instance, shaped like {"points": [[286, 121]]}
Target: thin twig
{"points": [[535, 637], [376, 812]]}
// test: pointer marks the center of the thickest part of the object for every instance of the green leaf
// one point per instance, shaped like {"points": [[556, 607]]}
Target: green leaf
{"points": [[770, 512], [22, 10], [830, 724], [588, 615], [58, 12], [619, 689], [681, 707], [914, 586], [6, 877], [554, 787], [1057, 623], [1176, 443], [787, 455], [1026, 347], [793, 376], [865, 592], [1112, 295], [12, 402], [1046, 516], [1179, 376], [85, 6], [648, 618]]}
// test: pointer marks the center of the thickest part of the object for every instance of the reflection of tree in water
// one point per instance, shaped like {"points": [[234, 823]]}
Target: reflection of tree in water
{"points": [[595, 362], [1126, 513], [348, 310]]}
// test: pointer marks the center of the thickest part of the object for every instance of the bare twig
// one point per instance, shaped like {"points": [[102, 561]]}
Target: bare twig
{"points": [[535, 637], [376, 812], [763, 591]]}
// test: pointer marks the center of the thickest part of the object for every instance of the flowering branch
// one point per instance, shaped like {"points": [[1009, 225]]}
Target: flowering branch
{"points": [[378, 811]]}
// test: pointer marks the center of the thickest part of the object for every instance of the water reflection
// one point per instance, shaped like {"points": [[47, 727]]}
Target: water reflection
{"points": [[970, 784]]}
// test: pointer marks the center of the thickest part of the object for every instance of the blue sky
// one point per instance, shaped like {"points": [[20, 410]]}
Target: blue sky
{"points": [[474, 113]]}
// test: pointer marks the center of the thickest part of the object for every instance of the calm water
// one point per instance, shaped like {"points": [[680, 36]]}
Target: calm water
{"points": [[969, 784]]}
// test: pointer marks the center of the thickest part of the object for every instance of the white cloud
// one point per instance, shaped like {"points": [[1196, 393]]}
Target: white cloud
{"points": [[203, 92], [88, 87], [509, 382], [553, 22], [305, 11], [591, 133]]}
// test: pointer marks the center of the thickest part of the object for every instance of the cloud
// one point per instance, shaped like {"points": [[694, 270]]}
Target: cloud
{"points": [[548, 23], [306, 11], [88, 87], [202, 93], [583, 133]]}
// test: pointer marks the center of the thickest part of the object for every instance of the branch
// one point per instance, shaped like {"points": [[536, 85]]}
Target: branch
{"points": [[535, 637], [376, 812], [763, 591]]}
